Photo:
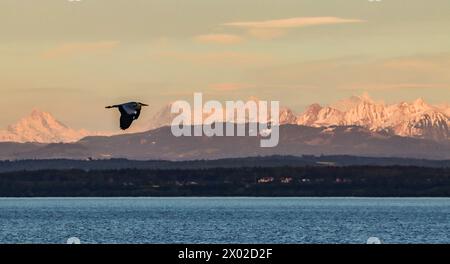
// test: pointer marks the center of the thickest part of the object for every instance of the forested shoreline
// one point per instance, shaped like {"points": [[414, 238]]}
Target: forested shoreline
{"points": [[361, 181]]}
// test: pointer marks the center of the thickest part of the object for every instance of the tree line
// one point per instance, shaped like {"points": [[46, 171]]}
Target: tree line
{"points": [[374, 181]]}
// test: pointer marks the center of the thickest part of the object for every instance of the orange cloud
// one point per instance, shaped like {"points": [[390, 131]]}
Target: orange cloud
{"points": [[293, 22], [72, 49], [219, 38]]}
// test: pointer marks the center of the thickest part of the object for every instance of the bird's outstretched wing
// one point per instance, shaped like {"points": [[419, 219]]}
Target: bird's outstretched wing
{"points": [[125, 121]]}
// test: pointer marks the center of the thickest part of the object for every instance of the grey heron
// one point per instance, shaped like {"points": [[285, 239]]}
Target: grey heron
{"points": [[128, 113]]}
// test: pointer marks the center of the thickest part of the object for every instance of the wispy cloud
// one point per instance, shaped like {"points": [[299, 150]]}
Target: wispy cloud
{"points": [[293, 22], [269, 29], [73, 49], [219, 39]]}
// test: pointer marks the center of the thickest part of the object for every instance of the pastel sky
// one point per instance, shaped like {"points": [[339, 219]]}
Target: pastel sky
{"points": [[73, 58]]}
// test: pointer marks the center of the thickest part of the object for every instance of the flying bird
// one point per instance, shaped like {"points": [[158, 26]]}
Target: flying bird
{"points": [[128, 113]]}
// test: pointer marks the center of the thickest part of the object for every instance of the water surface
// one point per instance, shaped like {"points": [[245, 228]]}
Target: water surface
{"points": [[224, 220]]}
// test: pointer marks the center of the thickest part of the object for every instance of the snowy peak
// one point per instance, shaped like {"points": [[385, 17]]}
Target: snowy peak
{"points": [[310, 116], [318, 116], [37, 120], [287, 117], [344, 105], [329, 116], [430, 125], [420, 103], [367, 114], [162, 118], [418, 106], [41, 127]]}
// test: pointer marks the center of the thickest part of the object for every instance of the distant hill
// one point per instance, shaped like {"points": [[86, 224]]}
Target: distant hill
{"points": [[250, 162]]}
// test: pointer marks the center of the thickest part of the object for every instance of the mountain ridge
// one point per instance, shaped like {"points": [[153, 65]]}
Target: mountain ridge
{"points": [[409, 119], [416, 119]]}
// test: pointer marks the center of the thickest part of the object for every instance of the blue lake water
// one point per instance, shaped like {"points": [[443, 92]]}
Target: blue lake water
{"points": [[224, 220]]}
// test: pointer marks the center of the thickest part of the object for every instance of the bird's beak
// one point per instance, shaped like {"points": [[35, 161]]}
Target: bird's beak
{"points": [[144, 104]]}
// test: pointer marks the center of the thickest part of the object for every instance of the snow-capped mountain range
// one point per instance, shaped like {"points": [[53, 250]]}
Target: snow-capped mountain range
{"points": [[409, 119], [415, 119]]}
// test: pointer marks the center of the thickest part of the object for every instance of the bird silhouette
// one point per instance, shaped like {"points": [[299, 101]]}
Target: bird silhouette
{"points": [[128, 113]]}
